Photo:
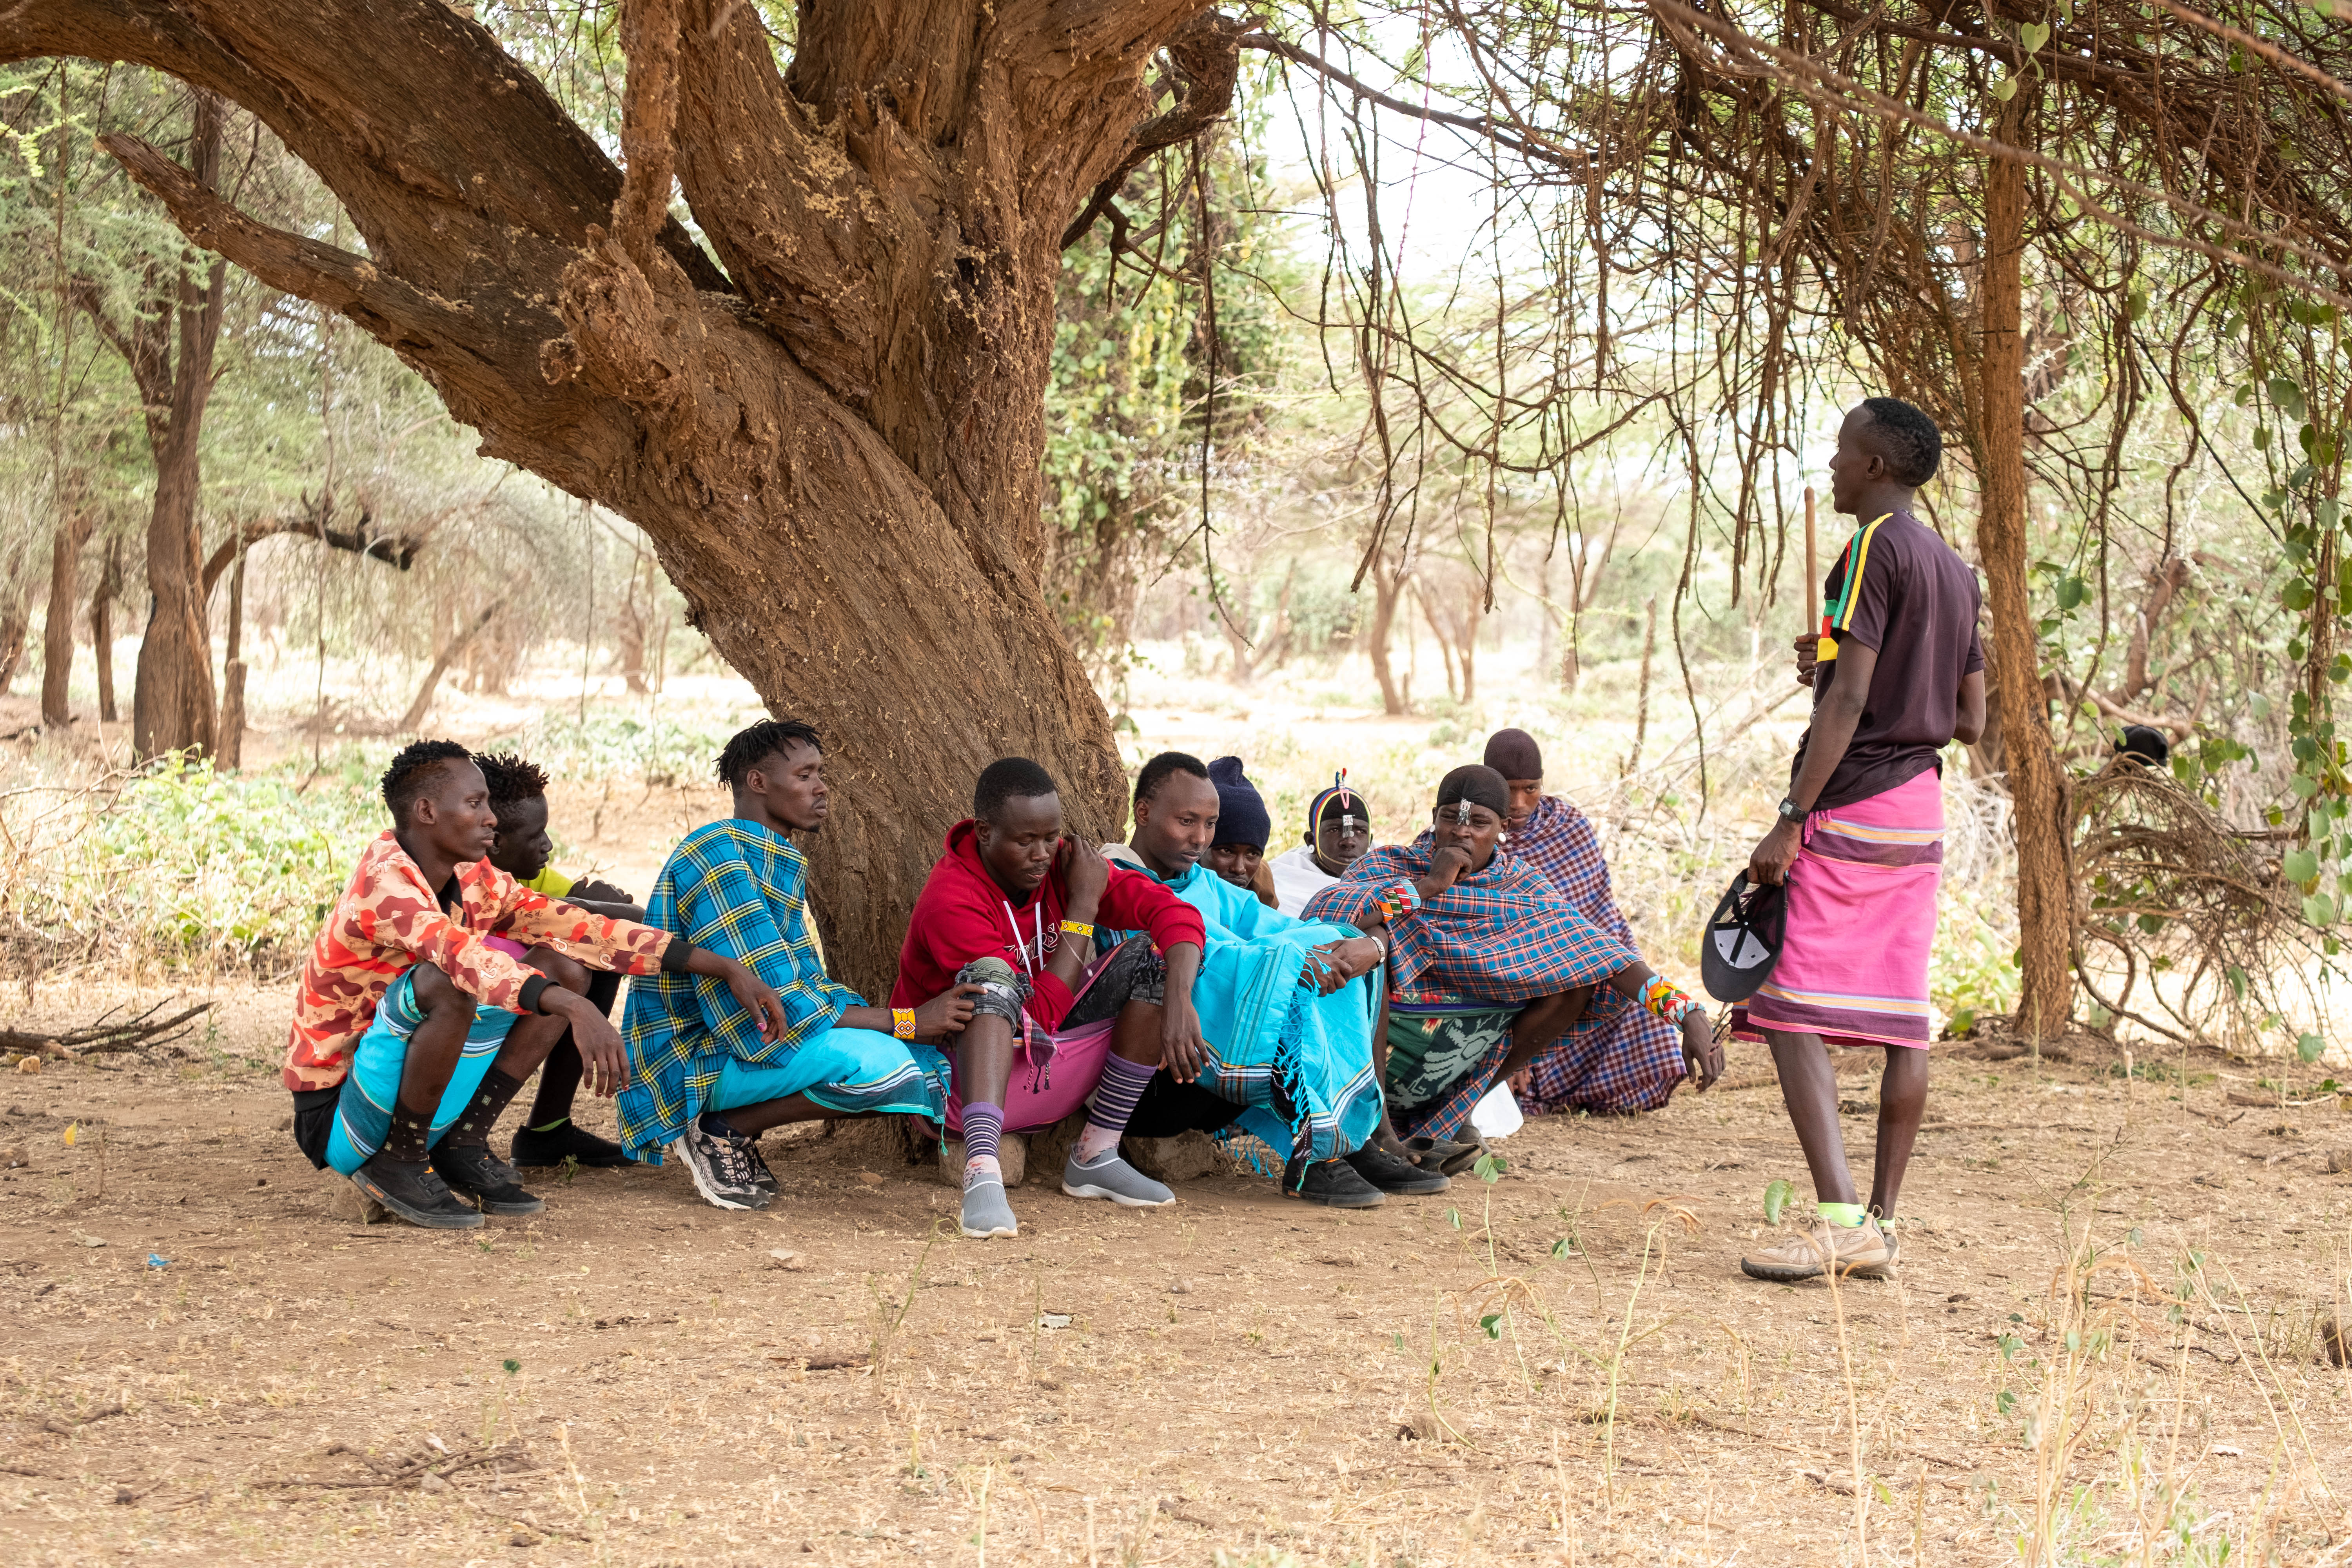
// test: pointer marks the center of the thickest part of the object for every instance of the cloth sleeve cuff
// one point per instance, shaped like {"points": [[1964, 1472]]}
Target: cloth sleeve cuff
{"points": [[534, 991], [676, 955]]}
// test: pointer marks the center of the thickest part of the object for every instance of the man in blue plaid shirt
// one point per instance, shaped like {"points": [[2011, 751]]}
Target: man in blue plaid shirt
{"points": [[703, 1083]]}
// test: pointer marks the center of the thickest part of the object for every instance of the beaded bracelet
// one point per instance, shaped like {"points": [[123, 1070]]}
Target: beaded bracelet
{"points": [[902, 1023], [1667, 1000]]}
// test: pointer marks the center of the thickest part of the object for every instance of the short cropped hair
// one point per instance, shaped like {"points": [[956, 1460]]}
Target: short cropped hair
{"points": [[416, 769], [513, 780], [1914, 447], [750, 747], [1156, 771], [1008, 778]]}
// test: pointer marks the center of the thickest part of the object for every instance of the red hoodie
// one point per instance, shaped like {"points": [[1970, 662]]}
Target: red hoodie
{"points": [[961, 914]]}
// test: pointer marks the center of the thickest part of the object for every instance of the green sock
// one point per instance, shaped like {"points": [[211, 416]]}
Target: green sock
{"points": [[1847, 1215]]}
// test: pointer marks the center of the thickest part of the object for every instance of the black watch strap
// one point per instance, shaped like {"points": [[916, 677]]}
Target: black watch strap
{"points": [[1789, 810]]}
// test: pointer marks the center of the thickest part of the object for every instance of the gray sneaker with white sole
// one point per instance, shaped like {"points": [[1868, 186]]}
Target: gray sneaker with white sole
{"points": [[1109, 1177], [985, 1212]]}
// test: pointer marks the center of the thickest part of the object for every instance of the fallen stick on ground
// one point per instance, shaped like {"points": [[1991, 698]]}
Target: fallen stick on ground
{"points": [[95, 1039]]}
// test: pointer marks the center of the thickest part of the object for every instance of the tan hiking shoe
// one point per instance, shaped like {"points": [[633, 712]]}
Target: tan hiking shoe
{"points": [[1861, 1252]]}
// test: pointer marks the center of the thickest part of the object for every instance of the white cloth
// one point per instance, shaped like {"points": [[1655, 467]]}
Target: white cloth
{"points": [[1497, 1115], [1297, 878]]}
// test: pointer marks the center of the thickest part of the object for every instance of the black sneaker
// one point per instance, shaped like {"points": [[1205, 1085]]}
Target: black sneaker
{"points": [[722, 1167], [1331, 1184], [1392, 1174], [567, 1140], [473, 1172], [411, 1190], [762, 1177]]}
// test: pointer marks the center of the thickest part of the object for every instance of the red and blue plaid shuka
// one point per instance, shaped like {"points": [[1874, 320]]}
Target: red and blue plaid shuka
{"points": [[1621, 1057], [1502, 936]]}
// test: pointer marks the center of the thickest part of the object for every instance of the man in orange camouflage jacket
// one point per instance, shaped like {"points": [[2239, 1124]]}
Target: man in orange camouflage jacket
{"points": [[427, 999]]}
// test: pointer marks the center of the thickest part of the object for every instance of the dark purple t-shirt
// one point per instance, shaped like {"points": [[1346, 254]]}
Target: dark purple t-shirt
{"points": [[1915, 601]]}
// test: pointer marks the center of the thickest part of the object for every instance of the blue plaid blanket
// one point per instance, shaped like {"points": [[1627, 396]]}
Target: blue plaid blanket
{"points": [[738, 889]]}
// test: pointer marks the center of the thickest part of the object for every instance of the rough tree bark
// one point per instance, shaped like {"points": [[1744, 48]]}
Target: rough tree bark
{"points": [[834, 443], [2037, 790], [65, 588]]}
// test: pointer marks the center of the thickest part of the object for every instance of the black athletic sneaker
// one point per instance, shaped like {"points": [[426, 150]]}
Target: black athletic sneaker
{"points": [[566, 1140], [762, 1177], [1392, 1174], [1331, 1184], [412, 1191], [722, 1167], [473, 1172]]}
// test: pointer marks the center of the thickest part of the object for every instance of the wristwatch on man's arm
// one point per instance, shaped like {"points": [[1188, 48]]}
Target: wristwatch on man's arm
{"points": [[1791, 811]]}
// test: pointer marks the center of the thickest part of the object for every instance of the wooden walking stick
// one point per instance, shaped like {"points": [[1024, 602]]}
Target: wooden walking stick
{"points": [[1812, 571]]}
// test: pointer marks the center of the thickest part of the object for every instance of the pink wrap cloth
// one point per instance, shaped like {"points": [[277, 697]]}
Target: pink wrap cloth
{"points": [[1862, 921]]}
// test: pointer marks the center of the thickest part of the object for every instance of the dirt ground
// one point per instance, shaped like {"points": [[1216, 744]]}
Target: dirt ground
{"points": [[202, 1359]]}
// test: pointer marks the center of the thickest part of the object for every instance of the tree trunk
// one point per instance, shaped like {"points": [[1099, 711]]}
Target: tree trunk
{"points": [[836, 444], [1388, 590], [15, 626], [101, 629], [423, 704], [2044, 903], [230, 754], [65, 588]]}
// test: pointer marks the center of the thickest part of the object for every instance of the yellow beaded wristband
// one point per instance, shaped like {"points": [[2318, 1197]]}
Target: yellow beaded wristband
{"points": [[1078, 927], [902, 1023]]}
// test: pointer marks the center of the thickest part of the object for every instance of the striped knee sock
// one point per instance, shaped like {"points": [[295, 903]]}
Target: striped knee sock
{"points": [[1112, 1102], [984, 1124]]}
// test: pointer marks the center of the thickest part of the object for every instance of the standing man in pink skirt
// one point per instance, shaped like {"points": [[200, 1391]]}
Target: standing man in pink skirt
{"points": [[1897, 675]]}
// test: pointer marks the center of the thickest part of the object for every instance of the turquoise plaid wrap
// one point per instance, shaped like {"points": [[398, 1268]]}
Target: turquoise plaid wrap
{"points": [[738, 888]]}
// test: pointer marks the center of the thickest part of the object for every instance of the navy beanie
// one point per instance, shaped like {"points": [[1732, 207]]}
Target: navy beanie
{"points": [[1241, 813]]}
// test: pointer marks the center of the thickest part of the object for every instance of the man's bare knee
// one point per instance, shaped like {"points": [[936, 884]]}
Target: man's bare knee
{"points": [[434, 990]]}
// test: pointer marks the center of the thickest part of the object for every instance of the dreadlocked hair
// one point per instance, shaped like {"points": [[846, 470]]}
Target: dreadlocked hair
{"points": [[755, 745], [416, 768]]}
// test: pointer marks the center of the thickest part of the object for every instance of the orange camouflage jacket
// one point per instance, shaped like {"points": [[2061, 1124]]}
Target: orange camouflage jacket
{"points": [[388, 921]]}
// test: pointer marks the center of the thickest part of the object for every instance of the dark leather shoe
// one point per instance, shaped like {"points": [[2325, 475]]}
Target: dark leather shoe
{"points": [[1331, 1184], [1391, 1174], [473, 1172], [567, 1142]]}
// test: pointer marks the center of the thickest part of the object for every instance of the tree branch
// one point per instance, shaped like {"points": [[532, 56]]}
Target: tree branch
{"points": [[1205, 61]]}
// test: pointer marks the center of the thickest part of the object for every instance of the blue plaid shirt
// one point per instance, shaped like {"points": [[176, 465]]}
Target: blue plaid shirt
{"points": [[736, 889]]}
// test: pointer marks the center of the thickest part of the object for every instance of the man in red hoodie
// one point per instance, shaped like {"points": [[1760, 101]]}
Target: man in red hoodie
{"points": [[1011, 907]]}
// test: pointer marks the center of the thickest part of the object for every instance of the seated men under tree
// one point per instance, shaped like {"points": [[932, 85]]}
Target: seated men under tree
{"points": [[413, 1026], [1486, 962], [1289, 1008], [1338, 834], [1011, 907], [705, 1083], [1619, 1056]]}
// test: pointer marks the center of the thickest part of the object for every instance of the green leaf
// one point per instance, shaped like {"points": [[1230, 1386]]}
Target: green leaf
{"points": [[1776, 1198], [2033, 35], [2297, 866], [2309, 1046], [2072, 591], [2006, 1400], [1563, 1248], [1493, 1323], [2319, 909], [2005, 89], [1490, 1168], [511, 1365]]}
